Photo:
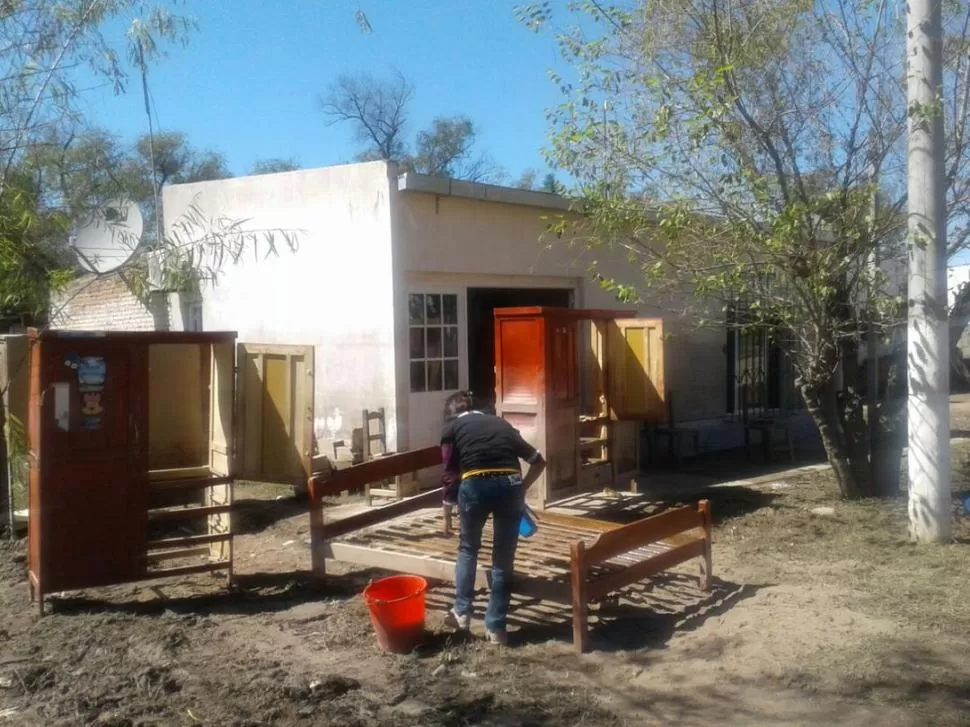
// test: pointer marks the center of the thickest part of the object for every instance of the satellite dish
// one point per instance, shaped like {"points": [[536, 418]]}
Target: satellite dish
{"points": [[108, 238]]}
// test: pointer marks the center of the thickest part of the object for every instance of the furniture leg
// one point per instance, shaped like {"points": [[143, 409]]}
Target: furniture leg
{"points": [[651, 443], [318, 563], [706, 568], [580, 602]]}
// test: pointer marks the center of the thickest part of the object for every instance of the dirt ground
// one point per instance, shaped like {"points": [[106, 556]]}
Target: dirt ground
{"points": [[827, 617]]}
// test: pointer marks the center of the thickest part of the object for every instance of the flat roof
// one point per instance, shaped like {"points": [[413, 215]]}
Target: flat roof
{"points": [[411, 182]]}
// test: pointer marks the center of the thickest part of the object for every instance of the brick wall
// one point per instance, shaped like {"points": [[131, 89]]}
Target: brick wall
{"points": [[107, 304]]}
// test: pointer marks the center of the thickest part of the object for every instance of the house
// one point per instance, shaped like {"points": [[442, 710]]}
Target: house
{"points": [[390, 288]]}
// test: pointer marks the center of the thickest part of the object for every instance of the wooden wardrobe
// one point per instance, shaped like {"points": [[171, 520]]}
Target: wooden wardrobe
{"points": [[578, 384]]}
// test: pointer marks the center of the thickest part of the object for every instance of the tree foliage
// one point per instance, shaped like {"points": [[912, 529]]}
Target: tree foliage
{"points": [[749, 158], [274, 166], [378, 110], [42, 46]]}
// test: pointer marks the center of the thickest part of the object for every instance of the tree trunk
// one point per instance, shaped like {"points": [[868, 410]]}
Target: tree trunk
{"points": [[858, 471], [853, 421], [822, 405], [887, 454]]}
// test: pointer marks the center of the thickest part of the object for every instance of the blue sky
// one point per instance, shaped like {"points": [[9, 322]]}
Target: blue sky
{"points": [[248, 83]]}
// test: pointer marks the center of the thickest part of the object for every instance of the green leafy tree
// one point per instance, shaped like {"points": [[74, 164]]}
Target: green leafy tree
{"points": [[446, 149], [274, 166], [551, 185], [526, 180], [749, 159]]}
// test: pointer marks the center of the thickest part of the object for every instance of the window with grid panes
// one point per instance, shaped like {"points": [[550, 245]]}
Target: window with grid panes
{"points": [[433, 341]]}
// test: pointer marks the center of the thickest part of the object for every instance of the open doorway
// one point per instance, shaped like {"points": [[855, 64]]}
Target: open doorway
{"points": [[481, 329]]}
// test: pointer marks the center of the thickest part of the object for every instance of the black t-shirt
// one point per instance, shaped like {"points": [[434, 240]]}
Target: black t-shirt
{"points": [[486, 442]]}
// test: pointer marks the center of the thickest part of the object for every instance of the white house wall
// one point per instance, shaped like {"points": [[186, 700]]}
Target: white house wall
{"points": [[461, 243], [335, 291]]}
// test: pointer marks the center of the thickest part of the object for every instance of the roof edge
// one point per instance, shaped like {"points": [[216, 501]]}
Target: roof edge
{"points": [[443, 186]]}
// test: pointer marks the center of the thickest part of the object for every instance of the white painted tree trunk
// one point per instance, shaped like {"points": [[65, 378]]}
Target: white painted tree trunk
{"points": [[928, 334]]}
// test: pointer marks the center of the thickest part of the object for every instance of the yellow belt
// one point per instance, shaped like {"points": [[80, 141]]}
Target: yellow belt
{"points": [[476, 473]]}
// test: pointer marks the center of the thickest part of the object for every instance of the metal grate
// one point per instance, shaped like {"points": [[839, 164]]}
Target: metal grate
{"points": [[760, 375]]}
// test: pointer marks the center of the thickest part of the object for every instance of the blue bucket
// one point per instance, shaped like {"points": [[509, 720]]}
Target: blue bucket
{"points": [[527, 525]]}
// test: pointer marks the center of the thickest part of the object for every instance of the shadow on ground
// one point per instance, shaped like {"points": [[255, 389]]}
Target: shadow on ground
{"points": [[726, 503], [250, 593], [644, 616]]}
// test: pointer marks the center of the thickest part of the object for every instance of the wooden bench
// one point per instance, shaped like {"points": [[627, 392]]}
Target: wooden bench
{"points": [[571, 560]]}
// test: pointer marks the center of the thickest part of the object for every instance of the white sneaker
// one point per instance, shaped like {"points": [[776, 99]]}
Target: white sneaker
{"points": [[459, 622], [500, 638]]}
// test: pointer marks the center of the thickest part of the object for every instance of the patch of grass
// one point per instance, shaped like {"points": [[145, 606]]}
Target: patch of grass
{"points": [[863, 545]]}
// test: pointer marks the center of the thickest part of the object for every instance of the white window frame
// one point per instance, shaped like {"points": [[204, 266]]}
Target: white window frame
{"points": [[421, 326]]}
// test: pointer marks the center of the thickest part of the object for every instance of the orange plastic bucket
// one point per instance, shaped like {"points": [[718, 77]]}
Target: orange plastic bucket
{"points": [[397, 611]]}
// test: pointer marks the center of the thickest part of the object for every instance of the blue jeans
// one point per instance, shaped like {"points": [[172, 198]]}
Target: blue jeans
{"points": [[501, 497]]}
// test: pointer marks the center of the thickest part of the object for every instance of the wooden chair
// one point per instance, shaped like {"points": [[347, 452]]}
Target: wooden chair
{"points": [[675, 434], [767, 425], [374, 445]]}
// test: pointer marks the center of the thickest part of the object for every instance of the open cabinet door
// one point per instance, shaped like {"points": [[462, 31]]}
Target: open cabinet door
{"points": [[275, 404], [222, 458], [635, 382], [635, 369]]}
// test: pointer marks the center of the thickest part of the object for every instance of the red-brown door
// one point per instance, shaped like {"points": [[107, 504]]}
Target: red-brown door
{"points": [[562, 406], [88, 500]]}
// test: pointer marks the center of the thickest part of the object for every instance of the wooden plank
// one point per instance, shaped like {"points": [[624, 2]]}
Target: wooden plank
{"points": [[188, 540], [179, 473], [575, 314], [648, 530], [576, 523], [175, 554], [187, 570], [376, 470], [601, 587], [192, 483], [187, 512], [439, 569], [378, 515]]}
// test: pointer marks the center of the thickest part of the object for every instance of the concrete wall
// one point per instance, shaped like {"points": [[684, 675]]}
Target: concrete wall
{"points": [[107, 304], [334, 292], [461, 243]]}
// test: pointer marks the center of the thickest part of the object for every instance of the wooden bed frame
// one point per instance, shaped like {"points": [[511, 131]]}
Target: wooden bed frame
{"points": [[571, 560]]}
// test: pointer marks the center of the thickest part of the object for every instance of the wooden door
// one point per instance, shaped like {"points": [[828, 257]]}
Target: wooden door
{"points": [[275, 404], [520, 382], [635, 385], [635, 369], [562, 407], [88, 455]]}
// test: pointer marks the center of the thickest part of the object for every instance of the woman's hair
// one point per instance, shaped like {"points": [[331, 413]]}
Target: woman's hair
{"points": [[457, 403]]}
